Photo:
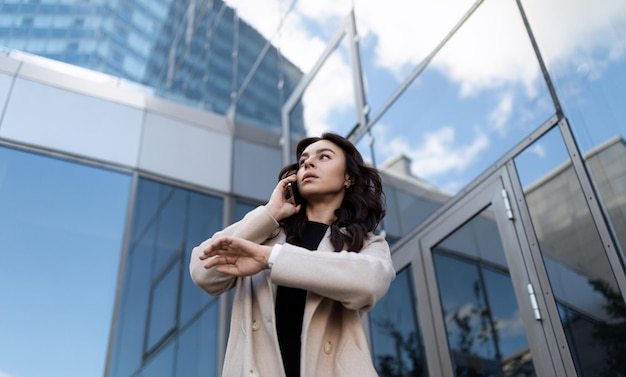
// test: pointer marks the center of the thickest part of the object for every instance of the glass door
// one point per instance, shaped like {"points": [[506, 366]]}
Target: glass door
{"points": [[486, 318], [573, 256]]}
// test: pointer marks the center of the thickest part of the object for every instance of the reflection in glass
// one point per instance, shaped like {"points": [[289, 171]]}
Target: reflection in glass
{"points": [[397, 342], [607, 164], [485, 331], [581, 278], [220, 61], [204, 213], [170, 227], [263, 87], [242, 208], [588, 66], [61, 232], [131, 324], [406, 210], [158, 298], [162, 312], [197, 346], [161, 364]]}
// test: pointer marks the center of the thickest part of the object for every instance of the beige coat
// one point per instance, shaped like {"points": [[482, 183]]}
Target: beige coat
{"points": [[340, 285]]}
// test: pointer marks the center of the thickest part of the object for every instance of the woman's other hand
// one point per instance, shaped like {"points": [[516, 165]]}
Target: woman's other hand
{"points": [[236, 256]]}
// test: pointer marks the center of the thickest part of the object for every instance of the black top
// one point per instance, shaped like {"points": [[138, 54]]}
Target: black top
{"points": [[290, 307]]}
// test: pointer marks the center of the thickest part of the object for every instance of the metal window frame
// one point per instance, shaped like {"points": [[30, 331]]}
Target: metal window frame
{"points": [[348, 27]]}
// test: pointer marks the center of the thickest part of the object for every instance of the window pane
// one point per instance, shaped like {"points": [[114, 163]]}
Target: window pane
{"points": [[146, 206], [242, 208], [162, 315], [197, 346], [397, 342], [61, 229], [587, 62], [406, 210], [573, 254], [172, 212], [485, 331], [205, 218], [130, 329], [161, 364], [158, 296]]}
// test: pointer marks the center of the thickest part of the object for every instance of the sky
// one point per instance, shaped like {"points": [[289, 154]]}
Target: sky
{"points": [[480, 95], [488, 70]]}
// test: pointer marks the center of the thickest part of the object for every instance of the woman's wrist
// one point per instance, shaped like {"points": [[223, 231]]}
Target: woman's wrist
{"points": [[273, 211], [273, 254]]}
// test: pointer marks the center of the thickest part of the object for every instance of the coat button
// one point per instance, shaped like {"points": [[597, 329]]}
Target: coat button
{"points": [[328, 347], [255, 326]]}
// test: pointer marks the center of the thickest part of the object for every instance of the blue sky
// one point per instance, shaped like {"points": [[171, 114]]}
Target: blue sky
{"points": [[481, 94], [479, 97]]}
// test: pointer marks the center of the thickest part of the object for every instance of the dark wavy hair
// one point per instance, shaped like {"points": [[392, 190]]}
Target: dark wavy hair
{"points": [[363, 206]]}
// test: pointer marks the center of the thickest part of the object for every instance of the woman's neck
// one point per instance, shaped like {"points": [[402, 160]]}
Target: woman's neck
{"points": [[320, 213]]}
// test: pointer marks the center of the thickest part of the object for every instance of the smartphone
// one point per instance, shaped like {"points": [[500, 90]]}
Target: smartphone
{"points": [[292, 192]]}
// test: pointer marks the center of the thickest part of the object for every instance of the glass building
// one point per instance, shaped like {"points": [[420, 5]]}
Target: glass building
{"points": [[195, 52], [506, 201]]}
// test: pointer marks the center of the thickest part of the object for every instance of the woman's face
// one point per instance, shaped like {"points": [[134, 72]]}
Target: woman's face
{"points": [[322, 171]]}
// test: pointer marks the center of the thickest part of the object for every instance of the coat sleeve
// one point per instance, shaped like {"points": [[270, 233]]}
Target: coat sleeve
{"points": [[357, 280], [257, 226]]}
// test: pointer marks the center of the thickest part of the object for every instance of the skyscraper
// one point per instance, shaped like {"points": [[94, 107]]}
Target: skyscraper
{"points": [[195, 52]]}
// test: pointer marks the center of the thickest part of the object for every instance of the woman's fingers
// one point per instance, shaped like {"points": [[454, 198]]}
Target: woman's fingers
{"points": [[217, 247], [230, 246], [216, 261]]}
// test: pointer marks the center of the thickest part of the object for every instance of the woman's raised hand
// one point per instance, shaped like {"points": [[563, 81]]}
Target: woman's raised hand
{"points": [[279, 205], [236, 256]]}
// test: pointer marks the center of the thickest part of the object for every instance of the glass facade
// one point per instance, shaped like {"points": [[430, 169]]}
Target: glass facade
{"points": [[61, 230], [398, 347], [589, 87], [165, 324], [499, 139], [578, 268], [478, 303], [195, 52]]}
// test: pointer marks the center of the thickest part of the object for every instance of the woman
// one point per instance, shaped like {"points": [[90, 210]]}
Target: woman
{"points": [[297, 312]]}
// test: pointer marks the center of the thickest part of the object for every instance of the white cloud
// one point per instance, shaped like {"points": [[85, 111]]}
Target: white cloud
{"points": [[330, 91], [442, 152], [582, 26], [510, 327], [405, 32], [501, 115], [264, 15], [538, 150], [491, 51], [5, 374], [325, 10], [438, 153]]}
